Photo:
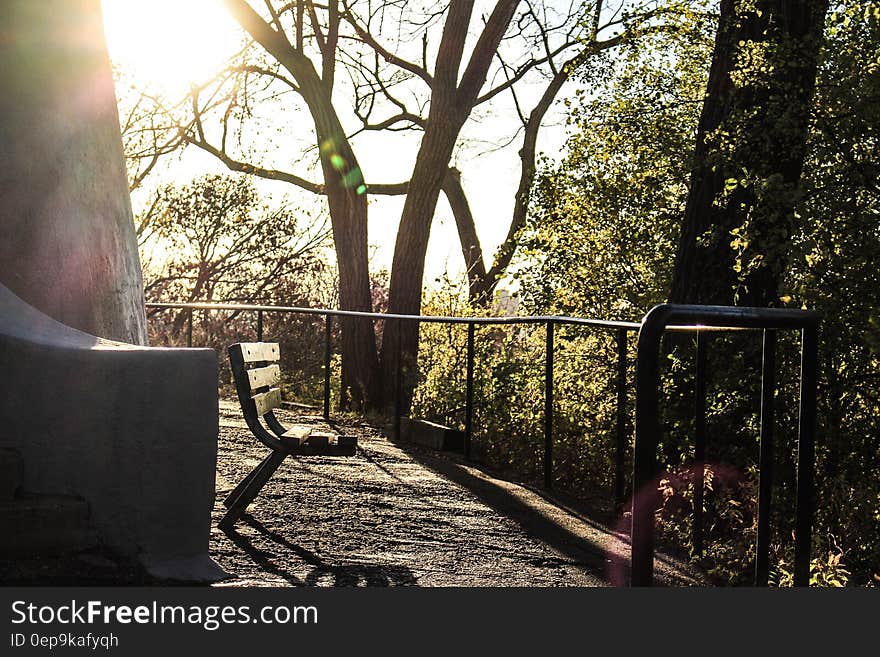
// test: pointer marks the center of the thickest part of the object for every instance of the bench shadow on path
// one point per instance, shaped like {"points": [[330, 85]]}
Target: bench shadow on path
{"points": [[351, 574], [597, 549]]}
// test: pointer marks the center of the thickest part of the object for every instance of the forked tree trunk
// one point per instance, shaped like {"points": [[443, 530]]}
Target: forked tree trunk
{"points": [[452, 99], [67, 238]]}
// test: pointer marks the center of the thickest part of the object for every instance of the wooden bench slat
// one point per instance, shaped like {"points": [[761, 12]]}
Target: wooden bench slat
{"points": [[264, 377], [308, 441], [260, 352], [318, 440], [298, 440], [266, 401], [298, 433]]}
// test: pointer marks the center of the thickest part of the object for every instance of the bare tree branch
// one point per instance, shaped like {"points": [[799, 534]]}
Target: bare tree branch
{"points": [[475, 74], [244, 167], [388, 56]]}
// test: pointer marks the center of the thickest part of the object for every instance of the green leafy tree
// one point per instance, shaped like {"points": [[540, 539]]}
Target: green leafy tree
{"points": [[600, 238], [749, 154], [834, 270], [582, 261]]}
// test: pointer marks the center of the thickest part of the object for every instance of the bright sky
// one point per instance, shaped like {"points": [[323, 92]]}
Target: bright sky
{"points": [[170, 43]]}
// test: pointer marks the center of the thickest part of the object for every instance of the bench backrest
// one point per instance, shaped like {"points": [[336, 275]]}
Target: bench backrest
{"points": [[257, 376]]}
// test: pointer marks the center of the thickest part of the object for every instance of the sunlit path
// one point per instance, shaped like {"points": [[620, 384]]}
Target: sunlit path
{"points": [[401, 516]]}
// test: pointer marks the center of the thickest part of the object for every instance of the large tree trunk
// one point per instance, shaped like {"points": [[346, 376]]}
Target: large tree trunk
{"points": [[452, 99], [749, 153], [67, 238], [408, 265], [347, 201], [346, 198], [348, 212]]}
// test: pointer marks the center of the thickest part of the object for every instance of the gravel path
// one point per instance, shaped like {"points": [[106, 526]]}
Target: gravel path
{"points": [[399, 515], [393, 515]]}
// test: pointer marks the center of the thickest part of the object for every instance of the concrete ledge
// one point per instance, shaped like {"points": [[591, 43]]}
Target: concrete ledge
{"points": [[11, 473], [131, 430], [44, 524], [430, 434]]}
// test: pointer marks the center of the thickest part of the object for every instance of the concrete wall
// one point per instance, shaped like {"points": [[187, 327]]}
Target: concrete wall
{"points": [[133, 430], [67, 240]]}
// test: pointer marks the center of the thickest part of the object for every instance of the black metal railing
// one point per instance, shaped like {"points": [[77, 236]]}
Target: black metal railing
{"points": [[663, 318], [622, 441], [648, 429]]}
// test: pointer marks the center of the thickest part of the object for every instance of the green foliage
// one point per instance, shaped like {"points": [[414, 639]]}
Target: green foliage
{"points": [[215, 240], [509, 395], [601, 236], [836, 247], [759, 145], [600, 242]]}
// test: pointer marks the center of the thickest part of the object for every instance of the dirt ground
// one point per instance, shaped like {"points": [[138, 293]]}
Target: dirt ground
{"points": [[392, 515], [401, 515]]}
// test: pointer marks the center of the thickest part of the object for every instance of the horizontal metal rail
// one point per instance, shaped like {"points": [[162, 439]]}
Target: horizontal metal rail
{"points": [[450, 319], [436, 319]]}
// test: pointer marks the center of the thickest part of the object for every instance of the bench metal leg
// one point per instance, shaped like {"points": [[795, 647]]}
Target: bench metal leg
{"points": [[230, 499], [260, 476]]}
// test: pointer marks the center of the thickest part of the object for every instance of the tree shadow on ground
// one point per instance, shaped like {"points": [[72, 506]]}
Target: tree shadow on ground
{"points": [[321, 573], [595, 546]]}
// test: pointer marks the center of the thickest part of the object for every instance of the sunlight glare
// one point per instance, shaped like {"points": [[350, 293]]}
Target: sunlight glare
{"points": [[169, 44]]}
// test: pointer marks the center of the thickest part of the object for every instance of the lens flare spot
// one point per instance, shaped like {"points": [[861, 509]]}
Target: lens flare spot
{"points": [[353, 179]]}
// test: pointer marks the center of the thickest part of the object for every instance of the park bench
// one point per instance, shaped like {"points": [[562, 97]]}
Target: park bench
{"points": [[257, 376]]}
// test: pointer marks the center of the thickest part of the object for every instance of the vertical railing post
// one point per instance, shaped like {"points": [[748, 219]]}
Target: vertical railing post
{"points": [[806, 454], [398, 379], [259, 326], [328, 326], [548, 409], [645, 496], [620, 437], [189, 327], [469, 393], [699, 468], [765, 460]]}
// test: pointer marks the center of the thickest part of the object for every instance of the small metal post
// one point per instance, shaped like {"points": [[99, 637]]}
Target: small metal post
{"points": [[328, 326], [548, 409], [469, 393], [699, 443], [621, 437], [189, 327], [259, 326], [398, 380], [765, 461], [806, 455]]}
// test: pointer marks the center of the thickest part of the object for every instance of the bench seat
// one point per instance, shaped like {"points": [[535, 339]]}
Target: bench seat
{"points": [[257, 377]]}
